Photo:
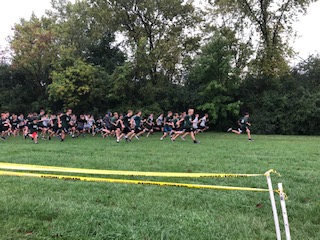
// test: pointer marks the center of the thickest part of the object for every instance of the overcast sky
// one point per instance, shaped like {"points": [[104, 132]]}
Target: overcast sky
{"points": [[308, 41]]}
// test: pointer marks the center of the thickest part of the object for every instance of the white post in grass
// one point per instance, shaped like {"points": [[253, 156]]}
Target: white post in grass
{"points": [[284, 211], [274, 208]]}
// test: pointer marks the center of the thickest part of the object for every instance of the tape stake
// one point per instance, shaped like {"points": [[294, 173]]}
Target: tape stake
{"points": [[284, 211], [93, 179], [27, 167], [273, 205], [272, 171]]}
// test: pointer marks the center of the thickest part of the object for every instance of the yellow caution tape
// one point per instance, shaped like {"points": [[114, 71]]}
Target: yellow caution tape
{"points": [[27, 167], [92, 179]]}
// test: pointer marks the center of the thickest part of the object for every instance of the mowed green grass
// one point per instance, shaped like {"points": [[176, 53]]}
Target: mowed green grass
{"points": [[33, 208]]}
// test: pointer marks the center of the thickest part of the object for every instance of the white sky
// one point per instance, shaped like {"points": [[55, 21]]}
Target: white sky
{"points": [[308, 41]]}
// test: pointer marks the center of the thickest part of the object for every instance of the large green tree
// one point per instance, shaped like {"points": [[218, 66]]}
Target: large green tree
{"points": [[214, 80], [84, 39], [74, 85], [292, 108], [155, 33], [91, 38], [271, 22], [34, 50]]}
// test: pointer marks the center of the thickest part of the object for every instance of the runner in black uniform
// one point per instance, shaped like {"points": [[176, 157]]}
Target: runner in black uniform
{"points": [[63, 123], [168, 125], [27, 122], [98, 126], [243, 126], [80, 125], [33, 130], [188, 127], [116, 125], [138, 130], [126, 124], [4, 125]]}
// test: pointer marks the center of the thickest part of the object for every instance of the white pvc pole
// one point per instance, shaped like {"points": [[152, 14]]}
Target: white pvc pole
{"points": [[274, 208], [284, 211]]}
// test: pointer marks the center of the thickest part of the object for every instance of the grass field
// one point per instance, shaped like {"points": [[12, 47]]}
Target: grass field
{"points": [[34, 208]]}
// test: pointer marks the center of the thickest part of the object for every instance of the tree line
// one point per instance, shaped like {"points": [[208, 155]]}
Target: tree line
{"points": [[222, 57]]}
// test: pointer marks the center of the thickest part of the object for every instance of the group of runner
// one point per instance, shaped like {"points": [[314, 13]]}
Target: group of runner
{"points": [[121, 126]]}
